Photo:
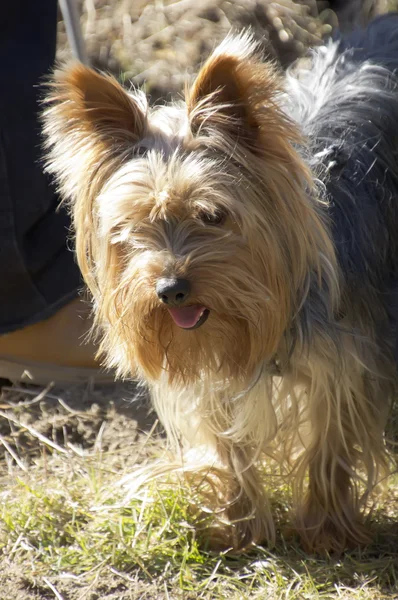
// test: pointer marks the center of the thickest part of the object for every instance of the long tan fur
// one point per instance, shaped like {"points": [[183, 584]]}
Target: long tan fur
{"points": [[248, 382]]}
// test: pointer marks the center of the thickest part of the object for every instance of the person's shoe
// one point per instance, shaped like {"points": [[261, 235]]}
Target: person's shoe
{"points": [[53, 350]]}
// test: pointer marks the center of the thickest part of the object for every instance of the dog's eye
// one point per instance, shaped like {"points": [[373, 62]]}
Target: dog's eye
{"points": [[140, 151], [212, 218]]}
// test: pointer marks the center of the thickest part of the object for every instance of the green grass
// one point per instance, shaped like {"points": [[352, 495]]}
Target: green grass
{"points": [[65, 520]]}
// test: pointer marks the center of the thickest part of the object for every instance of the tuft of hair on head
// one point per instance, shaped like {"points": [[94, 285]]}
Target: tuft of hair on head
{"points": [[91, 125]]}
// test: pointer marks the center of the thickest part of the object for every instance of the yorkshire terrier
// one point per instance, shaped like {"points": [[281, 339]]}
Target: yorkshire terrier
{"points": [[241, 251]]}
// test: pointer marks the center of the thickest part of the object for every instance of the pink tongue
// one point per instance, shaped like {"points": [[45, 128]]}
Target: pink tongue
{"points": [[187, 316]]}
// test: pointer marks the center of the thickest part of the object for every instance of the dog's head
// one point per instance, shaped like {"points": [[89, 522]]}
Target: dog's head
{"points": [[194, 227]]}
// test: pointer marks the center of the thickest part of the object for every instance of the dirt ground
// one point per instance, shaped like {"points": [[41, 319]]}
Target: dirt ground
{"points": [[78, 416], [156, 44]]}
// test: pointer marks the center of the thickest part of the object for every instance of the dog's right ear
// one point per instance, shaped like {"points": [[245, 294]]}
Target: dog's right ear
{"points": [[91, 124], [89, 120]]}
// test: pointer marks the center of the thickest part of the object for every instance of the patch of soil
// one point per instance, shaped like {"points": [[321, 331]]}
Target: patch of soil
{"points": [[117, 416], [103, 585], [119, 419]]}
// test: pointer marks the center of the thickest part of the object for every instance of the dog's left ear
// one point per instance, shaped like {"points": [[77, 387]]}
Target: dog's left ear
{"points": [[233, 91]]}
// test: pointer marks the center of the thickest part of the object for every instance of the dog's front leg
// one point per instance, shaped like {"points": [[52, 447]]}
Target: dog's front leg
{"points": [[220, 436], [248, 517], [342, 460]]}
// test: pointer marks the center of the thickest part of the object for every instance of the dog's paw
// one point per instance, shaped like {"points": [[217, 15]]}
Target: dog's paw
{"points": [[229, 535], [330, 534]]}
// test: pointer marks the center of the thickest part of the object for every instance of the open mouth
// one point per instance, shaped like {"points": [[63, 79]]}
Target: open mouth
{"points": [[189, 317]]}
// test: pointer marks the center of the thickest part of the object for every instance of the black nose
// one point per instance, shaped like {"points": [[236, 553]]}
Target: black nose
{"points": [[173, 291]]}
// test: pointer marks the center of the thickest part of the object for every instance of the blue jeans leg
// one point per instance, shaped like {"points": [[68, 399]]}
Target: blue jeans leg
{"points": [[38, 273]]}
